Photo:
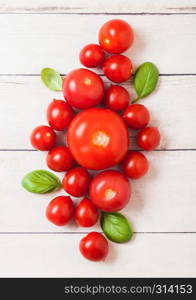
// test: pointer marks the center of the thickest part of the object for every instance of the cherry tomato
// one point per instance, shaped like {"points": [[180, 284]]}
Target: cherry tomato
{"points": [[92, 55], [94, 246], [86, 213], [110, 191], [76, 182], [116, 98], [116, 36], [83, 88], [136, 116], [135, 164], [60, 159], [117, 68], [98, 138], [60, 210], [148, 138], [59, 114], [43, 138]]}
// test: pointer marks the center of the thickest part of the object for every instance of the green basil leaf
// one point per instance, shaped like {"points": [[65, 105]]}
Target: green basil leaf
{"points": [[52, 79], [40, 181], [145, 80], [116, 227]]}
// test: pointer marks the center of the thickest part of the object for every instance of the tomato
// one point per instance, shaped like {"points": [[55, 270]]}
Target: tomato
{"points": [[83, 88], [43, 138], [60, 159], [60, 210], [136, 116], [86, 213], [59, 114], [135, 164], [116, 98], [116, 36], [98, 138], [92, 55], [110, 191], [76, 182], [148, 138], [117, 68], [94, 246]]}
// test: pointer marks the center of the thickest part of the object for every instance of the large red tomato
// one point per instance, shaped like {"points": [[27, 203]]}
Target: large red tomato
{"points": [[98, 138], [83, 88]]}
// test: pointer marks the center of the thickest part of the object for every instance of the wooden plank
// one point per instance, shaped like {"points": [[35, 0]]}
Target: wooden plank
{"points": [[55, 40], [148, 255], [24, 101], [109, 6], [162, 201]]}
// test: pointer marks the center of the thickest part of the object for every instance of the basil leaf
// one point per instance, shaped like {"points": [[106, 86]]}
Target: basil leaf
{"points": [[116, 227], [52, 79], [40, 181], [145, 80]]}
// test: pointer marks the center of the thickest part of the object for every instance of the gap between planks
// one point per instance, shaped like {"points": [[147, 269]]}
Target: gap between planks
{"points": [[86, 232], [100, 13]]}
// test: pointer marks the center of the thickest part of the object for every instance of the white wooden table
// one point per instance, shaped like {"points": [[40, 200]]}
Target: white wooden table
{"points": [[49, 33]]}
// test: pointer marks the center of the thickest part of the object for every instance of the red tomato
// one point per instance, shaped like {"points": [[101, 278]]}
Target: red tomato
{"points": [[60, 210], [116, 98], [98, 138], [116, 36], [148, 138], [60, 159], [76, 182], [135, 164], [83, 88], [136, 116], [59, 114], [110, 191], [43, 138], [92, 55], [117, 68], [86, 213], [94, 246]]}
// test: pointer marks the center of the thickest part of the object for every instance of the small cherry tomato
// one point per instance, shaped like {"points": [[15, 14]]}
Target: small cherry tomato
{"points": [[148, 138], [135, 164], [117, 68], [86, 214], [136, 116], [76, 182], [60, 159], [59, 114], [92, 55], [43, 138], [116, 36], [60, 210], [94, 246], [83, 88], [110, 191], [116, 98]]}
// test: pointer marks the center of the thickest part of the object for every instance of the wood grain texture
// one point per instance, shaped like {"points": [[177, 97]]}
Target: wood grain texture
{"points": [[31, 42]]}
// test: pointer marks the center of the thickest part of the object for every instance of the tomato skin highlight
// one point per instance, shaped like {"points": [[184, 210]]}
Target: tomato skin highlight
{"points": [[116, 36], [92, 55], [86, 214], [43, 138], [60, 159], [98, 138], [60, 210], [116, 98], [110, 191], [148, 138], [94, 246], [76, 182], [118, 68], [135, 164], [59, 115], [136, 116], [83, 88]]}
